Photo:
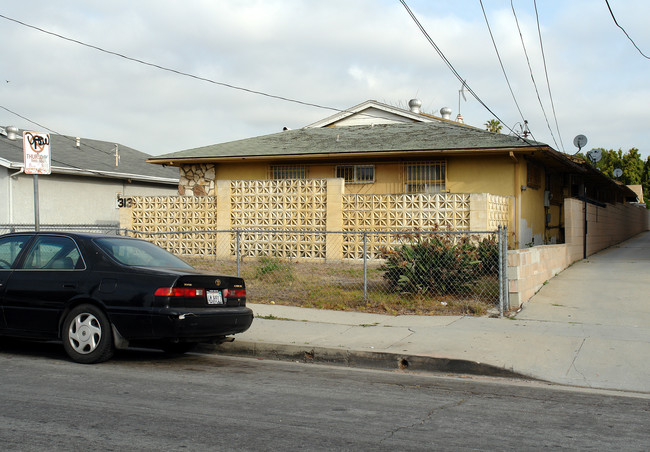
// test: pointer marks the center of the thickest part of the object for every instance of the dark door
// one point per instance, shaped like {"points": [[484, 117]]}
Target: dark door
{"points": [[47, 277], [10, 249]]}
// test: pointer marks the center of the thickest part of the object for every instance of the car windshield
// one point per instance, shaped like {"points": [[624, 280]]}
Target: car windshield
{"points": [[139, 253]]}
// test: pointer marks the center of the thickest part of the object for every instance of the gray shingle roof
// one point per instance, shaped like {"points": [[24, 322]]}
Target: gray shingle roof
{"points": [[93, 156], [355, 139]]}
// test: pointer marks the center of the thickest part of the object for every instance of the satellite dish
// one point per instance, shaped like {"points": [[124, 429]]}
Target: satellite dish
{"points": [[580, 141], [618, 173], [595, 155]]}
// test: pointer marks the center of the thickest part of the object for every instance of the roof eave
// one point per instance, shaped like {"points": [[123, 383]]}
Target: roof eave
{"points": [[177, 161], [107, 174]]}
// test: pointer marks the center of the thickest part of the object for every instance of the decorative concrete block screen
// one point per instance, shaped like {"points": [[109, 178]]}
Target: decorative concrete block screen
{"points": [[395, 213], [498, 211], [295, 209], [303, 219], [160, 214]]}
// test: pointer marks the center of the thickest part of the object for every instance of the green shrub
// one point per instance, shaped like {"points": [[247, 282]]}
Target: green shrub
{"points": [[440, 264], [488, 253]]}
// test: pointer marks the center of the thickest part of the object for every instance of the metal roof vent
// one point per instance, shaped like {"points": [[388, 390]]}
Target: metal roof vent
{"points": [[445, 113], [77, 142], [414, 105], [12, 132]]}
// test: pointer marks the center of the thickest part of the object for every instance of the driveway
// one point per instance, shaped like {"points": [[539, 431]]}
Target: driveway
{"points": [[606, 296]]}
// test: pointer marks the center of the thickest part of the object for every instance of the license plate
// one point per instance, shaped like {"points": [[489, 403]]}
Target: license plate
{"points": [[214, 297]]}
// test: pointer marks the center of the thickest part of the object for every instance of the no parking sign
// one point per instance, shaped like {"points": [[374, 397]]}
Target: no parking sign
{"points": [[36, 147]]}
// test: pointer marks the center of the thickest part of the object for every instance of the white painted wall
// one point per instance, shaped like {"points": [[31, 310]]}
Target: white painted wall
{"points": [[67, 199], [4, 195], [372, 116]]}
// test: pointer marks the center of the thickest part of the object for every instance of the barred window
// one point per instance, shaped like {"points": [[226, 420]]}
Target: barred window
{"points": [[356, 174], [425, 177], [534, 176], [288, 172]]}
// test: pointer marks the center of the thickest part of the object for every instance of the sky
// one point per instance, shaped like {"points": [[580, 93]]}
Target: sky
{"points": [[288, 63]]}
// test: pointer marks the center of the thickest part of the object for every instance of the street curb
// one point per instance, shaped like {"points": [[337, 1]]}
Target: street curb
{"points": [[357, 358]]}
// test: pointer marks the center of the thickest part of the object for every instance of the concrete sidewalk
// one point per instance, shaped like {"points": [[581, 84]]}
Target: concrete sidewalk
{"points": [[588, 327]]}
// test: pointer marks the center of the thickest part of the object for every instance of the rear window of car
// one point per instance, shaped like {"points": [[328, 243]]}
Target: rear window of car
{"points": [[53, 253], [139, 253]]}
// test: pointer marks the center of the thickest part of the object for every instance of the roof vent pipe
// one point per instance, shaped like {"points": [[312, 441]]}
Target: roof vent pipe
{"points": [[459, 119], [78, 142], [12, 132], [445, 113], [414, 105]]}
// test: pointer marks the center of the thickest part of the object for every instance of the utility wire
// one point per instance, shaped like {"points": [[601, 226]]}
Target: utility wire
{"points": [[185, 74], [623, 29], [500, 61], [530, 69], [175, 71], [20, 148], [451, 66], [548, 84], [55, 132]]}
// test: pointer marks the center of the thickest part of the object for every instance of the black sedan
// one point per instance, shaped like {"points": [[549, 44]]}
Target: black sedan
{"points": [[98, 292]]}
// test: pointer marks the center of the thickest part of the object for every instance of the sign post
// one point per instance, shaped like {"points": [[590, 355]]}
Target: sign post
{"points": [[36, 147]]}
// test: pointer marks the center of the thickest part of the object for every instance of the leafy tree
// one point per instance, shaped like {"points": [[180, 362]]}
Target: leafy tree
{"points": [[645, 181], [493, 125], [635, 170]]}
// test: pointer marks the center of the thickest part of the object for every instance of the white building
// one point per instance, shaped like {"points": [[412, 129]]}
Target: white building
{"points": [[87, 180]]}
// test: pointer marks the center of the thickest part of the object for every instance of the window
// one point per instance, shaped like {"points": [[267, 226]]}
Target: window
{"points": [[356, 174], [10, 247], [425, 177], [58, 253], [288, 172], [534, 176], [138, 253]]}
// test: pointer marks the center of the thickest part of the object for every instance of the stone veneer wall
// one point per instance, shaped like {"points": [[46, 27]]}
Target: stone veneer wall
{"points": [[197, 180]]}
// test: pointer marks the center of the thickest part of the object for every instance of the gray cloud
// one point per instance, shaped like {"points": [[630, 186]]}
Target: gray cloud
{"points": [[335, 53]]}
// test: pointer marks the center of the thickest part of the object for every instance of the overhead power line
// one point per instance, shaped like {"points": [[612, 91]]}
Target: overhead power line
{"points": [[503, 69], [451, 66], [548, 83], [623, 29], [54, 132], [175, 71], [182, 73], [532, 76]]}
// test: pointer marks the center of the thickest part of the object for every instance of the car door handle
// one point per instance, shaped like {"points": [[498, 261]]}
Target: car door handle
{"points": [[69, 286]]}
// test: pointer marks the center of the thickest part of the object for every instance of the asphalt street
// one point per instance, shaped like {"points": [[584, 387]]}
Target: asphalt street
{"points": [[145, 400]]}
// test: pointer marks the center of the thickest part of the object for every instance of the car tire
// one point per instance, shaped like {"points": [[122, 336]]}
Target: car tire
{"points": [[87, 335]]}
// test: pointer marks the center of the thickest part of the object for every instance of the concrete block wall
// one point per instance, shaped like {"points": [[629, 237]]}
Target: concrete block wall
{"points": [[530, 268]]}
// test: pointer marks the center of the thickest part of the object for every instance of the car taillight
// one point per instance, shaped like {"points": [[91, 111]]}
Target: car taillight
{"points": [[179, 292], [234, 293]]}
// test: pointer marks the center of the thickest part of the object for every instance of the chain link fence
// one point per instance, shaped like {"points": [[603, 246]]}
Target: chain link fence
{"points": [[108, 228], [396, 272]]}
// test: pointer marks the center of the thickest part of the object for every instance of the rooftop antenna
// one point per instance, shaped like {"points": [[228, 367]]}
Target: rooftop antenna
{"points": [[461, 93]]}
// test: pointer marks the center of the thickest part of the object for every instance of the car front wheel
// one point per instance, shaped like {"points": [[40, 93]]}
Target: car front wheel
{"points": [[87, 335]]}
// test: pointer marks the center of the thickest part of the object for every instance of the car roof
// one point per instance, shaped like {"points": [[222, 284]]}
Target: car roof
{"points": [[74, 234]]}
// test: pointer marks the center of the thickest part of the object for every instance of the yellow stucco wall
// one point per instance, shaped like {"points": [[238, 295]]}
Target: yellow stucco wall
{"points": [[495, 174], [489, 174]]}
